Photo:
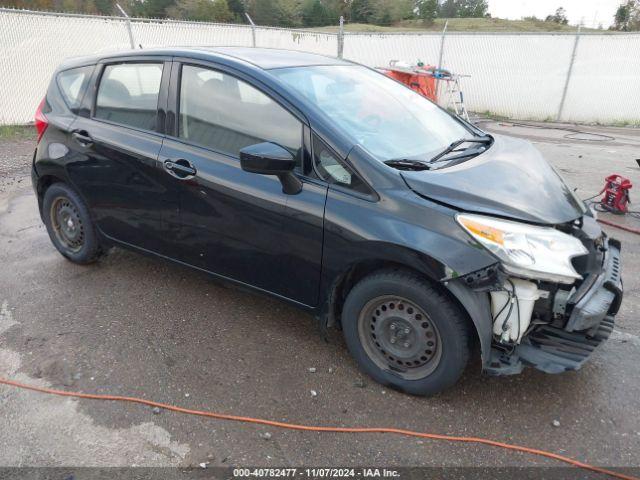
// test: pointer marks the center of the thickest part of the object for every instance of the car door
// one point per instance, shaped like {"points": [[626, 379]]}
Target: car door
{"points": [[115, 162], [237, 224]]}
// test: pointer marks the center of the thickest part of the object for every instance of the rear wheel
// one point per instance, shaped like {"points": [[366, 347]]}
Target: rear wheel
{"points": [[69, 224], [406, 334]]}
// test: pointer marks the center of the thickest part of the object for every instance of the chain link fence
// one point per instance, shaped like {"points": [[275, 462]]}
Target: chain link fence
{"points": [[592, 77]]}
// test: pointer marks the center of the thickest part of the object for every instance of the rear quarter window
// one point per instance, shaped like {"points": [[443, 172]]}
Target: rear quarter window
{"points": [[72, 84]]}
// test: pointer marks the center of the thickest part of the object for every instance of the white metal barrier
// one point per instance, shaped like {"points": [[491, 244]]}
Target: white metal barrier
{"points": [[519, 75]]}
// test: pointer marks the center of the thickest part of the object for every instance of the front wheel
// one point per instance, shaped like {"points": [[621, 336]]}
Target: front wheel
{"points": [[406, 334]]}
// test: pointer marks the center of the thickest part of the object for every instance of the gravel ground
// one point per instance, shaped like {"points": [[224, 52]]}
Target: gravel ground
{"points": [[139, 326], [15, 160]]}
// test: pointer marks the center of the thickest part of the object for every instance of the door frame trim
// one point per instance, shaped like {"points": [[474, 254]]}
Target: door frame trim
{"points": [[162, 97]]}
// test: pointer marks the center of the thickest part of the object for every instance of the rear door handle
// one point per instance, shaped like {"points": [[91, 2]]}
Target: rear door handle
{"points": [[82, 137], [181, 168]]}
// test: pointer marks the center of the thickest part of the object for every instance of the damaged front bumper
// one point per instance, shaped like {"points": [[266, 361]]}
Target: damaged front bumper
{"points": [[566, 343]]}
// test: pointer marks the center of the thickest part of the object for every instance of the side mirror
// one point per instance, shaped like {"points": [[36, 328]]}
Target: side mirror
{"points": [[270, 159]]}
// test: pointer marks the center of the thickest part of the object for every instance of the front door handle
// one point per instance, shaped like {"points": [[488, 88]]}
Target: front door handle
{"points": [[181, 168], [82, 137]]}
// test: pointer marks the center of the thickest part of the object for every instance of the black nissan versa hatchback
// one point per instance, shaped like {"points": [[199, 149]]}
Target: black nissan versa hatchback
{"points": [[335, 188]]}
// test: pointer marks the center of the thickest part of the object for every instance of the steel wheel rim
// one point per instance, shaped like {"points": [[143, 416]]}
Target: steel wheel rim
{"points": [[67, 224], [399, 336]]}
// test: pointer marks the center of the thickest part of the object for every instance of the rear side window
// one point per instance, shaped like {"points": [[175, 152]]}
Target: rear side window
{"points": [[128, 94], [226, 114], [72, 84]]}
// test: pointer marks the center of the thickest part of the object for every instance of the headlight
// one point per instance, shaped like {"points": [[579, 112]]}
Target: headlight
{"points": [[541, 253]]}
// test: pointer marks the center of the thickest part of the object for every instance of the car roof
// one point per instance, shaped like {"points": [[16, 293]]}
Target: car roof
{"points": [[263, 58], [267, 58]]}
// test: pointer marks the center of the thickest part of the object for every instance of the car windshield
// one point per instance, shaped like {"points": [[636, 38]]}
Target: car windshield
{"points": [[378, 113]]}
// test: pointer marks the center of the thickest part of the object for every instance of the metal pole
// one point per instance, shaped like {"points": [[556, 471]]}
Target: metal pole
{"points": [[131, 41], [253, 30], [566, 82], [341, 37], [444, 32]]}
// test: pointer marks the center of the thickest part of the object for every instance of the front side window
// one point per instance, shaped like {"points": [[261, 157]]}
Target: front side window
{"points": [[225, 114], [72, 84], [128, 94], [388, 119], [332, 170]]}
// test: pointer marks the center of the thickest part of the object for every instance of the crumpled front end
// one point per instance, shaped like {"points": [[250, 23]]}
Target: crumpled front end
{"points": [[555, 327]]}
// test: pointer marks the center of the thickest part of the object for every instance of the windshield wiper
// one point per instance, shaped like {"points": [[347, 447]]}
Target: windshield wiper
{"points": [[417, 165], [456, 159], [471, 126], [486, 139], [407, 164]]}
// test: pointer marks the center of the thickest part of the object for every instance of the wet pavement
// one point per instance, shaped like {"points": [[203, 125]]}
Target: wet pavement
{"points": [[139, 326]]}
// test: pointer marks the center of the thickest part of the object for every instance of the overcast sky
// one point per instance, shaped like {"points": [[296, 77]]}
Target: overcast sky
{"points": [[593, 12]]}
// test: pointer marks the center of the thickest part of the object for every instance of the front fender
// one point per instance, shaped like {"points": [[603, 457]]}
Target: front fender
{"points": [[479, 310], [401, 230], [400, 227]]}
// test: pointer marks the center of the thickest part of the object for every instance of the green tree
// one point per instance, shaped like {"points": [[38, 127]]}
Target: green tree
{"points": [[238, 10], [622, 16], [221, 11], [559, 17], [383, 17], [427, 10], [152, 8], [268, 13], [449, 9], [290, 12], [31, 4], [75, 6], [337, 8], [314, 14], [201, 10], [634, 21], [463, 9], [362, 11], [381, 12], [472, 8], [40, 5], [627, 16], [104, 7], [398, 9], [129, 6]]}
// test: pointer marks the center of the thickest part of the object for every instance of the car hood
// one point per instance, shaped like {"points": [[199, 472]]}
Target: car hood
{"points": [[511, 179]]}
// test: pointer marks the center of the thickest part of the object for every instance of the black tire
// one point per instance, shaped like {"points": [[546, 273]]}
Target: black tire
{"points": [[77, 241], [405, 367]]}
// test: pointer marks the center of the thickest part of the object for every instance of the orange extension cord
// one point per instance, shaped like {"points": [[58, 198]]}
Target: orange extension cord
{"points": [[310, 428], [621, 227]]}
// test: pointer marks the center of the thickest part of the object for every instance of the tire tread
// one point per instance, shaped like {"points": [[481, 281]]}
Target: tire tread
{"points": [[455, 316], [92, 250]]}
